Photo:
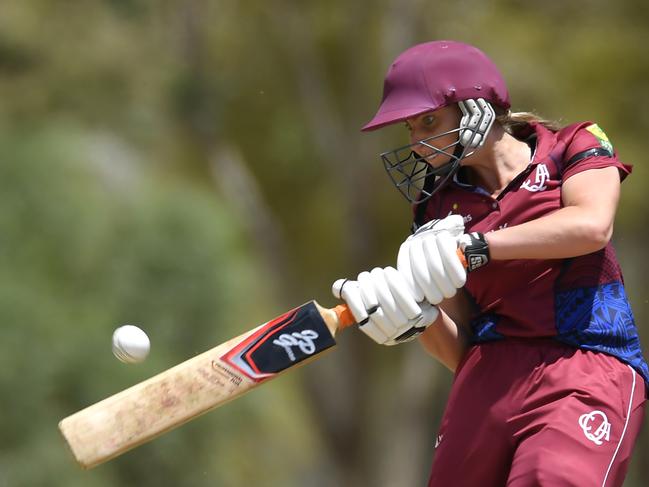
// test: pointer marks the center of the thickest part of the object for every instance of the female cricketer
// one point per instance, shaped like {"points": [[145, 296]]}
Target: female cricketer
{"points": [[517, 214]]}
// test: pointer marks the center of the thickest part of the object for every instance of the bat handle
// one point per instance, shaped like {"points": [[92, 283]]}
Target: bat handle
{"points": [[345, 317], [460, 254]]}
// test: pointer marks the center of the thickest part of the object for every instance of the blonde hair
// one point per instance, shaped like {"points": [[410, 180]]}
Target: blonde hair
{"points": [[514, 121]]}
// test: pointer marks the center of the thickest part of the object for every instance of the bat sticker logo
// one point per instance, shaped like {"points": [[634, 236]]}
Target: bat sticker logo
{"points": [[304, 340], [300, 334]]}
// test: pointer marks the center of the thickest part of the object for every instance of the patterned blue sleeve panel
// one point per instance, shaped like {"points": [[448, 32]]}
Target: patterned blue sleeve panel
{"points": [[599, 318]]}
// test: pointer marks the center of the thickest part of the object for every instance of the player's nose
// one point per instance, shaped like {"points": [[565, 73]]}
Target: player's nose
{"points": [[422, 149]]}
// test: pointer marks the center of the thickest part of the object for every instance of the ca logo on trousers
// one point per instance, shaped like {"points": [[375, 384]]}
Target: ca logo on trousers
{"points": [[596, 426]]}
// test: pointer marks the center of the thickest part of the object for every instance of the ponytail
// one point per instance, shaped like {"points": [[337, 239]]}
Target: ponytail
{"points": [[512, 122]]}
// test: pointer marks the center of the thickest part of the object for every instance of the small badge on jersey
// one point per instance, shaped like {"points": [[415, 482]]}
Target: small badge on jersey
{"points": [[541, 177], [601, 137]]}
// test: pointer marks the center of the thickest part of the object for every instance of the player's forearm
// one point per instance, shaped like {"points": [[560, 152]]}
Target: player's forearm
{"points": [[568, 232], [445, 340]]}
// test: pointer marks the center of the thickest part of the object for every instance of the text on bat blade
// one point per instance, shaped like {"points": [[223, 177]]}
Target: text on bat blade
{"points": [[304, 340]]}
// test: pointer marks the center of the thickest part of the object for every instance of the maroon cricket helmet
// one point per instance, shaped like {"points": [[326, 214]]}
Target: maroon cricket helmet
{"points": [[433, 75]]}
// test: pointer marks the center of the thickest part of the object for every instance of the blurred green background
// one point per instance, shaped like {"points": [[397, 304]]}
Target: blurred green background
{"points": [[195, 167]]}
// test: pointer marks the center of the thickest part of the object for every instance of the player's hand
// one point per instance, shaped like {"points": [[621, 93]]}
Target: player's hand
{"points": [[429, 262], [384, 307]]}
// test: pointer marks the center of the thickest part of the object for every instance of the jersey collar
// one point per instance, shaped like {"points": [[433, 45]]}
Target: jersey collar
{"points": [[543, 138]]}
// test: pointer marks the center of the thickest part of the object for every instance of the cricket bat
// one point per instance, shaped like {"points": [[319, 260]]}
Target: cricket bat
{"points": [[146, 410]]}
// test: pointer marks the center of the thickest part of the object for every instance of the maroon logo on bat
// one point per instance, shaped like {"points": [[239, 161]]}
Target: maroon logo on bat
{"points": [[281, 343]]}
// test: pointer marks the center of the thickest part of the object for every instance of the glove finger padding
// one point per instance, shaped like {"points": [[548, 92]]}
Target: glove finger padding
{"points": [[455, 271], [418, 252], [386, 299], [405, 300], [368, 295], [387, 316], [420, 256], [361, 300], [436, 269], [396, 307], [350, 292], [405, 269], [379, 328]]}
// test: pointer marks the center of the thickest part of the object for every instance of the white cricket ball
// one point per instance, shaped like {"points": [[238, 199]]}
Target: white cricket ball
{"points": [[130, 344]]}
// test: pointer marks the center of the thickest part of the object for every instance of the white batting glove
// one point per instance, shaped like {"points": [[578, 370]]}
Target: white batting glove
{"points": [[429, 263], [384, 307]]}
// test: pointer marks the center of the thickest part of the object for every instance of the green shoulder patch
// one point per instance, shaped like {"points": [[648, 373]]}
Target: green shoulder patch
{"points": [[601, 136]]}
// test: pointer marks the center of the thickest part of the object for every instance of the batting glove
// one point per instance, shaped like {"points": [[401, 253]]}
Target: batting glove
{"points": [[475, 249], [384, 307], [429, 262]]}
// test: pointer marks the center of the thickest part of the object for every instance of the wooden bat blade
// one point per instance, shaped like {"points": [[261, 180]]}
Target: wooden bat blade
{"points": [[146, 410]]}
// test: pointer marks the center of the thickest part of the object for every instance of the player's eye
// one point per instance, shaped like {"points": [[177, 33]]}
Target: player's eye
{"points": [[428, 119], [407, 125]]}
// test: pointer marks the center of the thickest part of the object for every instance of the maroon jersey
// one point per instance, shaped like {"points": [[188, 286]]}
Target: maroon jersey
{"points": [[579, 301]]}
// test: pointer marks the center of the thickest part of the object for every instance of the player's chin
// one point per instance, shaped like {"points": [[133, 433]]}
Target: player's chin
{"points": [[438, 160]]}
